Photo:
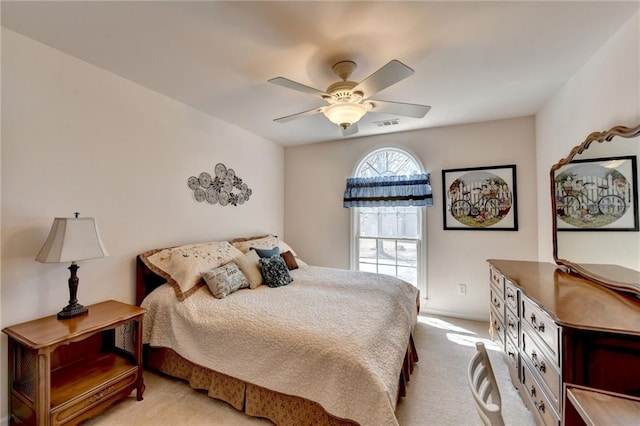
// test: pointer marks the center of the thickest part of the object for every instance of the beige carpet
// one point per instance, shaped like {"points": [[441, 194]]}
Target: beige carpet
{"points": [[438, 393]]}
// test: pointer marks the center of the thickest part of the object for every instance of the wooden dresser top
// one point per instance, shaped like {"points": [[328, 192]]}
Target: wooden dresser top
{"points": [[571, 300]]}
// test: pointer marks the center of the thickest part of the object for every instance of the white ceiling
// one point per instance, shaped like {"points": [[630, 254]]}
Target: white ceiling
{"points": [[473, 61]]}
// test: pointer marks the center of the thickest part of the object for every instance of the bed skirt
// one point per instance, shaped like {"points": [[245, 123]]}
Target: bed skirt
{"points": [[256, 401]]}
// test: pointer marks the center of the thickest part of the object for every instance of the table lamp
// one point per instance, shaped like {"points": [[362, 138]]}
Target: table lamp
{"points": [[72, 239]]}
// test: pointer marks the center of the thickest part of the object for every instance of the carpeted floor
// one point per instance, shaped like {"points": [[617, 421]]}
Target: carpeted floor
{"points": [[438, 392]]}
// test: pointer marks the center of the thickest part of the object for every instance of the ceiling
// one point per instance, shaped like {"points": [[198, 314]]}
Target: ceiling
{"points": [[473, 61]]}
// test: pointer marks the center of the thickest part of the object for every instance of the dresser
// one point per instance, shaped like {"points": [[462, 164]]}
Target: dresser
{"points": [[557, 328]]}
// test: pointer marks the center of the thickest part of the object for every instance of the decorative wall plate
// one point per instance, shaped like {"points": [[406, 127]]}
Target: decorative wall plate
{"points": [[225, 188]]}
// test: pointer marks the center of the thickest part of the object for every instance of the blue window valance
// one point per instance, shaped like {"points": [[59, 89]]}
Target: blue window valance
{"points": [[391, 191]]}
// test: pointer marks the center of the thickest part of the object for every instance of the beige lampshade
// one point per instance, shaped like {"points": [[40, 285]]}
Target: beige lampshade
{"points": [[72, 239]]}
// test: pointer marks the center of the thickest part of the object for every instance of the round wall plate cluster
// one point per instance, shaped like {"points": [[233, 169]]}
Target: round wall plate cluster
{"points": [[223, 188]]}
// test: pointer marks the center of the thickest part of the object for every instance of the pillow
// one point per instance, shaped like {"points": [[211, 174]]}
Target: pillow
{"points": [[275, 271], [224, 280], [267, 242], [182, 266], [284, 247], [267, 252], [289, 260], [248, 264]]}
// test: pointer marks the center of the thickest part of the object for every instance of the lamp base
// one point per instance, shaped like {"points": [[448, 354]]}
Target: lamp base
{"points": [[72, 310]]}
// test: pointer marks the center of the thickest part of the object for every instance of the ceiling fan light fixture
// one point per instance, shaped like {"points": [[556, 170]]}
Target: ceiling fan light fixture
{"points": [[345, 114]]}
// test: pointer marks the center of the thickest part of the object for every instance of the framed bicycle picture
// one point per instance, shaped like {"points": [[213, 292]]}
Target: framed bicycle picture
{"points": [[480, 198], [597, 194]]}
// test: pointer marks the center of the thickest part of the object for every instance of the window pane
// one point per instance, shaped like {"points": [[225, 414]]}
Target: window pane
{"points": [[389, 224], [408, 274], [387, 270], [407, 253], [367, 250], [387, 252], [367, 267]]}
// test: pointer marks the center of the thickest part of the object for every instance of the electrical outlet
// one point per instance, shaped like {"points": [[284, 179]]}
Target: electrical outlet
{"points": [[462, 289]]}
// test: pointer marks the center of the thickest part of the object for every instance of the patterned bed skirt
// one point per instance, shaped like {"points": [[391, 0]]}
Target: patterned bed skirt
{"points": [[256, 401]]}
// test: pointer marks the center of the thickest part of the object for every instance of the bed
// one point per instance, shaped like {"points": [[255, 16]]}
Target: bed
{"points": [[331, 347]]}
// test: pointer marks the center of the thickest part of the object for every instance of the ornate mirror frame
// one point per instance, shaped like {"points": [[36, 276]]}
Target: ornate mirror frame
{"points": [[613, 276]]}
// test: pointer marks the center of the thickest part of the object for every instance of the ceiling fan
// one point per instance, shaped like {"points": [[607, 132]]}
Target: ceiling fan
{"points": [[350, 101]]}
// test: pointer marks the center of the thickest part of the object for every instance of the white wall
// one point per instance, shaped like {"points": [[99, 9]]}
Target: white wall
{"points": [[78, 138], [604, 93], [317, 225]]}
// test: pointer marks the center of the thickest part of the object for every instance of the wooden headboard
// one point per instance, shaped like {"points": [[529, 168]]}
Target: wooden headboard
{"points": [[146, 280]]}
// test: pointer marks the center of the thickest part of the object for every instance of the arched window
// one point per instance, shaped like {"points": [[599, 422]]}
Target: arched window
{"points": [[390, 239]]}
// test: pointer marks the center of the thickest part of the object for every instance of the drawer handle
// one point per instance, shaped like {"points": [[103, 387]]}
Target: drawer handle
{"points": [[511, 325], [496, 302], [510, 296], [512, 354], [542, 367], [496, 326], [539, 327], [98, 396], [533, 392], [539, 406]]}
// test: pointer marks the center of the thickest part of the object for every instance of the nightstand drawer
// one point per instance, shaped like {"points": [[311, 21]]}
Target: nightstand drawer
{"points": [[66, 412]]}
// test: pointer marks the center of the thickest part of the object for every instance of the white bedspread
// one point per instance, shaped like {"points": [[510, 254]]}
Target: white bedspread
{"points": [[332, 336]]}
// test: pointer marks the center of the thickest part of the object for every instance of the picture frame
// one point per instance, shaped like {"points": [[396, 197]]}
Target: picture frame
{"points": [[597, 194], [480, 198]]}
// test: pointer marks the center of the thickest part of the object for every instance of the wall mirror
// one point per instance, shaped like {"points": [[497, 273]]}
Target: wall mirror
{"points": [[594, 198]]}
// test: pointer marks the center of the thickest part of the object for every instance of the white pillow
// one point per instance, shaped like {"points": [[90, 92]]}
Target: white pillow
{"points": [[248, 264], [267, 242], [183, 266], [284, 247], [224, 280]]}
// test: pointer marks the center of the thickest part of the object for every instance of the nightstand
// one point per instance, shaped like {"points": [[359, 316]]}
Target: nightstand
{"points": [[65, 371]]}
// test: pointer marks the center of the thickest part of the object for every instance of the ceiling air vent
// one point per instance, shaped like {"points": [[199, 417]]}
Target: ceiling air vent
{"points": [[385, 123]]}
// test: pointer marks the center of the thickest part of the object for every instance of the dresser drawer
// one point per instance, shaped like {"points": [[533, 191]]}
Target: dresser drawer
{"points": [[497, 281], [497, 303], [513, 360], [536, 399], [512, 326], [511, 296], [498, 331], [542, 327], [542, 367]]}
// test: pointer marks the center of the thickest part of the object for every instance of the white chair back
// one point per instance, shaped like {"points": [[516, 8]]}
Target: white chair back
{"points": [[484, 388]]}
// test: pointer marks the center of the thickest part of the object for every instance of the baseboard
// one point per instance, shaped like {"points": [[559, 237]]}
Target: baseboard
{"points": [[454, 314]]}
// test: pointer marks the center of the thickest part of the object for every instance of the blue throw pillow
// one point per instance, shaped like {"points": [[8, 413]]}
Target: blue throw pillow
{"points": [[274, 271], [267, 252]]}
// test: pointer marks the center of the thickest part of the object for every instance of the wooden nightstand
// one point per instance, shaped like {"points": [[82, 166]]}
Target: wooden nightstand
{"points": [[65, 371]]}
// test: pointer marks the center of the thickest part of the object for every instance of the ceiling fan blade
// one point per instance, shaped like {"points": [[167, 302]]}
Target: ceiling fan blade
{"points": [[351, 130], [299, 115], [386, 76], [285, 82], [399, 108]]}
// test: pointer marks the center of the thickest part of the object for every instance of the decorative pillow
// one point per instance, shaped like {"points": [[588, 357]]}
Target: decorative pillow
{"points": [[275, 271], [289, 260], [267, 252], [267, 242], [284, 247], [248, 264], [224, 280], [182, 266]]}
